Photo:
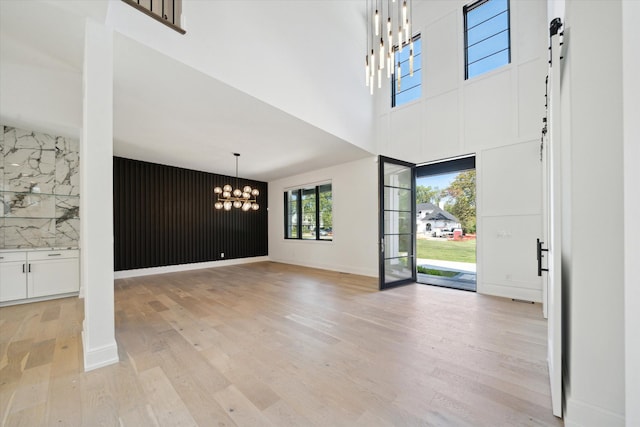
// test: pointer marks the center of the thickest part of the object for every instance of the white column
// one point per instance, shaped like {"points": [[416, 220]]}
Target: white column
{"points": [[98, 335]]}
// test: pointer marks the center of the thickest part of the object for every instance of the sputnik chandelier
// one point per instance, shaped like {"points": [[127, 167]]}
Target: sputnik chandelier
{"points": [[229, 197], [396, 28]]}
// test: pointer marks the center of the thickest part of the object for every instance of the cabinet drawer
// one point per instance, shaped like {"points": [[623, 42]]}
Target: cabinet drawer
{"points": [[13, 256], [42, 255]]}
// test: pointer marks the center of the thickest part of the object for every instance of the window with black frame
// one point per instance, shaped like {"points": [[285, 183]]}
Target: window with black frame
{"points": [[406, 83], [486, 36], [309, 213]]}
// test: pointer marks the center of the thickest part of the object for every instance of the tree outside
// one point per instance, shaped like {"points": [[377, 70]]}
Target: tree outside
{"points": [[428, 194], [461, 202]]}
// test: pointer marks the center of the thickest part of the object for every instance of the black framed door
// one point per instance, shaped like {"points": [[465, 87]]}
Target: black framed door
{"points": [[397, 222]]}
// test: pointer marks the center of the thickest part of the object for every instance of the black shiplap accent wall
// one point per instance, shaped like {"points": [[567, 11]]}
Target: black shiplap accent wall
{"points": [[164, 215]]}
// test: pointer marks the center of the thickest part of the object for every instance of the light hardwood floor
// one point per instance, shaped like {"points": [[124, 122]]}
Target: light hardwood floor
{"points": [[279, 345]]}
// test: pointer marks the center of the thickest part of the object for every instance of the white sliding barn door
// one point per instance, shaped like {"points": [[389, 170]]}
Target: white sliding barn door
{"points": [[552, 221], [509, 221]]}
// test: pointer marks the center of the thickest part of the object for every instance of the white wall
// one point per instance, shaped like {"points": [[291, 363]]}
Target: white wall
{"points": [[354, 248], [594, 262], [631, 94], [309, 64], [497, 116], [37, 92]]}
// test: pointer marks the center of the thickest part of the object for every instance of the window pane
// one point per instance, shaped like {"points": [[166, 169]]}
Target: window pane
{"points": [[399, 220], [487, 36], [309, 213], [326, 215], [485, 11], [497, 43], [292, 214], [488, 28], [410, 87], [397, 269], [397, 199], [489, 64], [409, 95], [397, 176], [397, 245]]}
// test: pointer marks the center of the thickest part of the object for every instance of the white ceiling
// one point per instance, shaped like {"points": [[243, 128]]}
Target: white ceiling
{"points": [[166, 112]]}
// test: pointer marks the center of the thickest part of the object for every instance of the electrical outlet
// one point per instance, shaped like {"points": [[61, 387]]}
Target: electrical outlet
{"points": [[221, 254]]}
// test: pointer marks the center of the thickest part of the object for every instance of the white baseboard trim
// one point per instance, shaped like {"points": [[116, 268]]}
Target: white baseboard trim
{"points": [[524, 294], [582, 414], [338, 268], [186, 267], [95, 358]]}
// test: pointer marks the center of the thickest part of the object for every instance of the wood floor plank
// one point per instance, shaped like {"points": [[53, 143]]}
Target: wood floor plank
{"points": [[167, 406], [282, 345]]}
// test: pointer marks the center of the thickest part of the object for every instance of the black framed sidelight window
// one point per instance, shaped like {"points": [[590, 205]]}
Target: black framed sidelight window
{"points": [[308, 213]]}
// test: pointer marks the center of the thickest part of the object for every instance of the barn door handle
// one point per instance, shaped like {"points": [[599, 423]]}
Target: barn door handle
{"points": [[539, 251]]}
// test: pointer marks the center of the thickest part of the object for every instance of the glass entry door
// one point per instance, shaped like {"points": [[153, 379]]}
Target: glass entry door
{"points": [[397, 222]]}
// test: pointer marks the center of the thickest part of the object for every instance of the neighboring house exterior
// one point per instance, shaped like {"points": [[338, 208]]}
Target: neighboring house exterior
{"points": [[429, 217]]}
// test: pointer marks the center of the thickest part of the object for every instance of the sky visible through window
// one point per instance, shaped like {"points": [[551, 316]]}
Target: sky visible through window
{"points": [[410, 87], [487, 35], [441, 181]]}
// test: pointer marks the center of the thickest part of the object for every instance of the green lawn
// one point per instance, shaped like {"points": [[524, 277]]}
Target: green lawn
{"points": [[447, 250]]}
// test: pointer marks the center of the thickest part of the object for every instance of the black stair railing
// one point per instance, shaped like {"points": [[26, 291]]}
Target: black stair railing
{"points": [[166, 11]]}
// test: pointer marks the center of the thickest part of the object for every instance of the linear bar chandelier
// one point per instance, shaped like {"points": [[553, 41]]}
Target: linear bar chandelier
{"points": [[228, 197], [392, 24]]}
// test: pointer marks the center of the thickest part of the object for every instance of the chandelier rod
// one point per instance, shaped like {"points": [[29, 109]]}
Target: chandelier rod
{"points": [[237, 155]]}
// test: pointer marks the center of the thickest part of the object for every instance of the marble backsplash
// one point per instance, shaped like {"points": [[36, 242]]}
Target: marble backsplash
{"points": [[39, 190]]}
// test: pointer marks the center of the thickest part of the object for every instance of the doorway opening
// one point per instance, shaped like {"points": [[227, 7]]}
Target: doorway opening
{"points": [[446, 223]]}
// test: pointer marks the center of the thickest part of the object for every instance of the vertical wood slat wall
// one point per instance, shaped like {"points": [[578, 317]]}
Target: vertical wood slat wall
{"points": [[164, 215]]}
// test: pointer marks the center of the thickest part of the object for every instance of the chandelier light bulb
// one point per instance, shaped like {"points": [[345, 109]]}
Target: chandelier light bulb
{"points": [[227, 206], [226, 194], [411, 62], [227, 188], [366, 70], [246, 206], [407, 32], [381, 60], [373, 63], [404, 11], [237, 204], [255, 192], [246, 195], [399, 39], [217, 190], [399, 76], [246, 189], [255, 206], [377, 22], [218, 205], [237, 192]]}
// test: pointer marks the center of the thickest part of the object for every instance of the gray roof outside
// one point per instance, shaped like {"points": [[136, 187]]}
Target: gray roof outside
{"points": [[436, 213]]}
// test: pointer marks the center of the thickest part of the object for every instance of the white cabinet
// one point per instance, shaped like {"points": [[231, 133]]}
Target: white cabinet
{"points": [[38, 274], [13, 278]]}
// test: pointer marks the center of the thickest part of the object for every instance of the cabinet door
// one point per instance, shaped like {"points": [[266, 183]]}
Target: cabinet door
{"points": [[13, 281], [53, 276]]}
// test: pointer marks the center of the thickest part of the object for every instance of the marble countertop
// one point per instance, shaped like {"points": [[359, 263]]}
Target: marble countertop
{"points": [[37, 249]]}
